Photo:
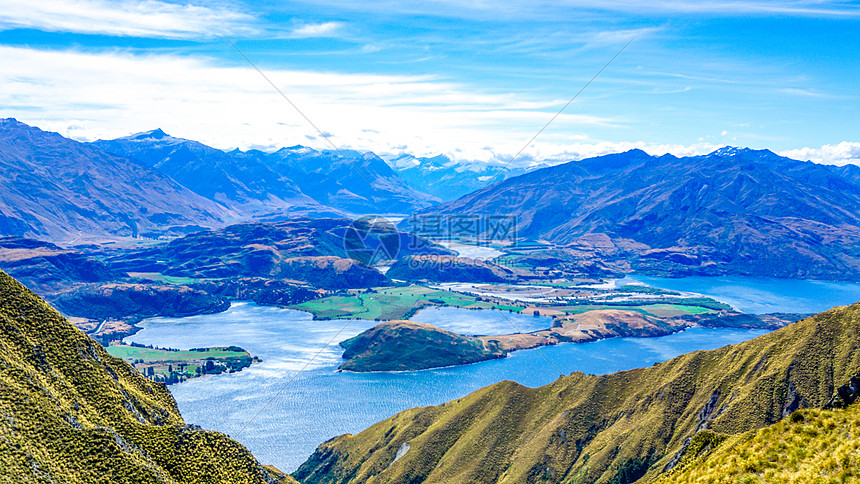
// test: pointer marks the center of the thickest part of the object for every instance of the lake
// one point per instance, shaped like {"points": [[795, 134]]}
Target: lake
{"points": [[282, 408], [760, 295]]}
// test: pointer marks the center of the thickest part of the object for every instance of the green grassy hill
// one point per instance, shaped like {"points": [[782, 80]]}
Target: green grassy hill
{"points": [[71, 413], [616, 428]]}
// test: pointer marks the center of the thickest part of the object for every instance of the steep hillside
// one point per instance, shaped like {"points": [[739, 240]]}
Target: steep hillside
{"points": [[242, 182], [811, 446], [734, 211], [602, 429], [53, 187], [116, 301], [74, 414]]}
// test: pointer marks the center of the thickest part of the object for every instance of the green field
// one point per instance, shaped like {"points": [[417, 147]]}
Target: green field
{"points": [[392, 303], [149, 354]]}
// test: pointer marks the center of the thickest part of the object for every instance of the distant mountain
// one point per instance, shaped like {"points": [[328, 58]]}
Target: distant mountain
{"points": [[360, 183], [621, 427], [291, 180], [733, 211], [849, 172], [74, 414], [237, 180], [448, 179], [56, 188]]}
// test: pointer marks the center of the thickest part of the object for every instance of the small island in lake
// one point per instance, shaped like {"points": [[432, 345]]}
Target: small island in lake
{"points": [[407, 345]]}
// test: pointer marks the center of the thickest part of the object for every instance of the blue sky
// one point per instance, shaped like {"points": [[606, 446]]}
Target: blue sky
{"points": [[474, 82]]}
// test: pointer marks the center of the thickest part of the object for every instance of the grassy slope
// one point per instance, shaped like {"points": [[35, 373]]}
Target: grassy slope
{"points": [[602, 429], [71, 413], [813, 446]]}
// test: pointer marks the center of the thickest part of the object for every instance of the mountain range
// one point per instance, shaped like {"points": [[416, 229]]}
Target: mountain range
{"points": [[245, 184], [733, 211], [293, 179]]}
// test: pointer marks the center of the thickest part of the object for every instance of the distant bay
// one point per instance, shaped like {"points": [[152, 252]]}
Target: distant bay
{"points": [[761, 295]]}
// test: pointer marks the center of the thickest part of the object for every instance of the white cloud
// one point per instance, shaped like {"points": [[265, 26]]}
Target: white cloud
{"points": [[325, 29], [841, 154], [108, 95], [127, 18]]}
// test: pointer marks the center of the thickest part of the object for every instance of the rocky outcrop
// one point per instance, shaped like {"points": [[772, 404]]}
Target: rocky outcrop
{"points": [[846, 394]]}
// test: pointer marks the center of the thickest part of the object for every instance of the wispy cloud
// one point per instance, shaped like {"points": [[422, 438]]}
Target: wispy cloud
{"points": [[802, 92], [548, 9], [325, 29], [125, 18]]}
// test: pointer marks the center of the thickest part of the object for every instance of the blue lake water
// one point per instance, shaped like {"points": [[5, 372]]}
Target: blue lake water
{"points": [[762, 295], [282, 408]]}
